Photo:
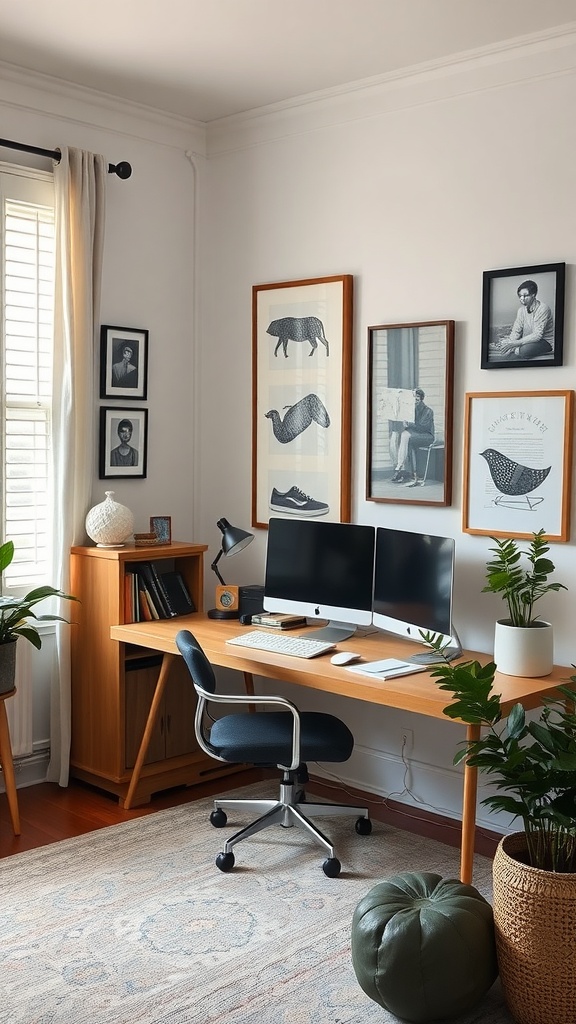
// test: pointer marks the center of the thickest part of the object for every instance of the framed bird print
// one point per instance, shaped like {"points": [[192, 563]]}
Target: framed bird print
{"points": [[518, 463]]}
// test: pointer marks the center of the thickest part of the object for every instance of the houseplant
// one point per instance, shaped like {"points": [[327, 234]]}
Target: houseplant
{"points": [[523, 643], [15, 616], [532, 765]]}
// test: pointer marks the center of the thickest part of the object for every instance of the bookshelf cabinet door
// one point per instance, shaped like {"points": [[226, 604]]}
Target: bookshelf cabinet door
{"points": [[140, 686], [180, 705]]}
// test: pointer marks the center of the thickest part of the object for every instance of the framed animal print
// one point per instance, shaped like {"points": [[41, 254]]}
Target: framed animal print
{"points": [[518, 463], [301, 400]]}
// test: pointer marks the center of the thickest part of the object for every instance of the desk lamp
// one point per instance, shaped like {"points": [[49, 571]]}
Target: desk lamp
{"points": [[227, 598]]}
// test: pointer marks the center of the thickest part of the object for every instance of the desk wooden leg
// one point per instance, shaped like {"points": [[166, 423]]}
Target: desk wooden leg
{"points": [[469, 813], [249, 683], [8, 769], [149, 729]]}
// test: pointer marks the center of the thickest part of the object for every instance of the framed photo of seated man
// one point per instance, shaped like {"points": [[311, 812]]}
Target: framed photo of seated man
{"points": [[410, 388]]}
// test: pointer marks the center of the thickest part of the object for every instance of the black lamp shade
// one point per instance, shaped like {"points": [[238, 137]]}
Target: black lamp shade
{"points": [[233, 538]]}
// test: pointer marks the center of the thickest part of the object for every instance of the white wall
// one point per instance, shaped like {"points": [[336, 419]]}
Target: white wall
{"points": [[415, 187]]}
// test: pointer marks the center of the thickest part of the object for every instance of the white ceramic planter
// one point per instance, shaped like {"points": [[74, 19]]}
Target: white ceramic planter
{"points": [[524, 650]]}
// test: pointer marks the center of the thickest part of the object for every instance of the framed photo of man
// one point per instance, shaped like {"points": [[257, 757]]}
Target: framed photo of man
{"points": [[123, 442], [410, 385], [123, 362], [523, 316]]}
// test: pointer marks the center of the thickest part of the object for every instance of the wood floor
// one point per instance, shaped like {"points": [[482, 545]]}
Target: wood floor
{"points": [[50, 813]]}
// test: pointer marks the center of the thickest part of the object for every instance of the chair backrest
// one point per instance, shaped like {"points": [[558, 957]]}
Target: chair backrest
{"points": [[196, 661]]}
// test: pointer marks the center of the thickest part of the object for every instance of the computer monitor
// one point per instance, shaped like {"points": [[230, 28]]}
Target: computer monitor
{"points": [[413, 583], [322, 571]]}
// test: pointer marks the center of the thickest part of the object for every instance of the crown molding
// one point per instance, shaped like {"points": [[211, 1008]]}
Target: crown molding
{"points": [[54, 97], [524, 58]]}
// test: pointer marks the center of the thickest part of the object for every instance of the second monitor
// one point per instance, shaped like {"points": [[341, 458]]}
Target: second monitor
{"points": [[413, 582]]}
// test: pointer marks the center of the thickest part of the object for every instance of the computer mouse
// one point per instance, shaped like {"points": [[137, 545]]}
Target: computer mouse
{"points": [[344, 657]]}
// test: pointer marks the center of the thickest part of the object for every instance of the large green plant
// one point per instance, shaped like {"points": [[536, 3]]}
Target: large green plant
{"points": [[15, 612], [520, 587], [532, 764]]}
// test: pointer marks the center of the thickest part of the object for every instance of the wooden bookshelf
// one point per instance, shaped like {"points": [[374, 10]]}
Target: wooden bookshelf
{"points": [[112, 683]]}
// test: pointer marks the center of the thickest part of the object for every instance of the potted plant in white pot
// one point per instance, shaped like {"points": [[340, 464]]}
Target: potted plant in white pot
{"points": [[17, 619], [523, 643], [531, 761]]}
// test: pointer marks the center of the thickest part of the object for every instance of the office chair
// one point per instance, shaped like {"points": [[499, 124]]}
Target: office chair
{"points": [[285, 738]]}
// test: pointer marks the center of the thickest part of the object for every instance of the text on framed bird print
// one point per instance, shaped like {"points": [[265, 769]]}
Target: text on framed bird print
{"points": [[518, 463]]}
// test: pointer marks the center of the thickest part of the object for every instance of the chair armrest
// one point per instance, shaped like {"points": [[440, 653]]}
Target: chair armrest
{"points": [[233, 698]]}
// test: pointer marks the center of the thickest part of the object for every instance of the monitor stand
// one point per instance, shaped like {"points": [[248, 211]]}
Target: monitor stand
{"points": [[333, 631]]}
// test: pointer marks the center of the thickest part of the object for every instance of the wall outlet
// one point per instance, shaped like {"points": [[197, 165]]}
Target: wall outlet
{"points": [[406, 742]]}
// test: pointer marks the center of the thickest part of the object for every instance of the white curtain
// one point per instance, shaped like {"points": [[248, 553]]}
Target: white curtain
{"points": [[80, 184]]}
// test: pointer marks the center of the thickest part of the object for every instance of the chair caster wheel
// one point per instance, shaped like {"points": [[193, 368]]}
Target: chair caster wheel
{"points": [[332, 867], [218, 818], [225, 861], [363, 826]]}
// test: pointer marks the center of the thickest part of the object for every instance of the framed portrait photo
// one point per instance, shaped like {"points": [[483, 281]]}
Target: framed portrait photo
{"points": [[301, 400], [518, 463], [123, 449], [410, 385], [523, 316], [123, 363]]}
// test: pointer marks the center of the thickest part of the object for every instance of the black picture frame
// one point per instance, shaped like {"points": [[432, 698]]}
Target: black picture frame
{"points": [[123, 378], [111, 419], [501, 306]]}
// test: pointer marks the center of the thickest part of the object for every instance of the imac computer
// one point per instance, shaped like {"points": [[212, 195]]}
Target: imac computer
{"points": [[413, 582], [322, 571]]}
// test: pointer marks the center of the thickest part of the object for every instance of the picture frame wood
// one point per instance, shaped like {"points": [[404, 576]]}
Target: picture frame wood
{"points": [[518, 463], [123, 363], [162, 527], [409, 449], [523, 317], [301, 399], [123, 445]]}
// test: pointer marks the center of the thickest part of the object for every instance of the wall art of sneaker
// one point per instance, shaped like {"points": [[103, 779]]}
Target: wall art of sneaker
{"points": [[297, 502]]}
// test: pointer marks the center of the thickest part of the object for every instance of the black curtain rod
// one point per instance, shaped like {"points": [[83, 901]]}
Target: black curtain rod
{"points": [[122, 170]]}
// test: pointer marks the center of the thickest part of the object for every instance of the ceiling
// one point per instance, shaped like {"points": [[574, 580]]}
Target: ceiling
{"points": [[207, 59]]}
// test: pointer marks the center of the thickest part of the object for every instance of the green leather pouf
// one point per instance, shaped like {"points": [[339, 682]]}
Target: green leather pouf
{"points": [[423, 947]]}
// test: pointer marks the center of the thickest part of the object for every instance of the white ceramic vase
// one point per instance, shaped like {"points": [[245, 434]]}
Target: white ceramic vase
{"points": [[524, 650], [109, 523]]}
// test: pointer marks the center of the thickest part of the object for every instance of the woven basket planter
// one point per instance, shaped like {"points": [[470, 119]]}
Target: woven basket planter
{"points": [[535, 923]]}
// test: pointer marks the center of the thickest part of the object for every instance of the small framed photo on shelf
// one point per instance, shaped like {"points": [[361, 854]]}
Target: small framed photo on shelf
{"points": [[523, 316], [123, 442], [123, 362], [162, 527]]}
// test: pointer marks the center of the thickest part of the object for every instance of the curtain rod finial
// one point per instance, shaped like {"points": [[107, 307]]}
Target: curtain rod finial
{"points": [[122, 170]]}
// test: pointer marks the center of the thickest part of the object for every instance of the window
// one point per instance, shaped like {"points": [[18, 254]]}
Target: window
{"points": [[26, 339]]}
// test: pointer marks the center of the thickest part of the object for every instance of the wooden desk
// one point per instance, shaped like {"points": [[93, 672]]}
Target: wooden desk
{"points": [[418, 692]]}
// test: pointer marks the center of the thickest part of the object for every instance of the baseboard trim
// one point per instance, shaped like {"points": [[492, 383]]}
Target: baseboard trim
{"points": [[407, 817]]}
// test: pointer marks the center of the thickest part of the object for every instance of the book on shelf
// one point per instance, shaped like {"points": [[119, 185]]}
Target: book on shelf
{"points": [[149, 575], [279, 620], [176, 593]]}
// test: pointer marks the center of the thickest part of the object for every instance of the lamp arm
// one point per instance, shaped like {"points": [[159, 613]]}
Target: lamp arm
{"points": [[214, 566]]}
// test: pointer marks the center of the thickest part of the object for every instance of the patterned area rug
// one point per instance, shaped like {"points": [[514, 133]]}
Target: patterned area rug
{"points": [[134, 924]]}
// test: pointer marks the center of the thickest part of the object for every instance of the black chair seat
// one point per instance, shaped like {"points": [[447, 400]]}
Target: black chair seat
{"points": [[266, 738]]}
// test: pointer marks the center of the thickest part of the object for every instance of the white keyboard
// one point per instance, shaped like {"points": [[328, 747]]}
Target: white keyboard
{"points": [[278, 643]]}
